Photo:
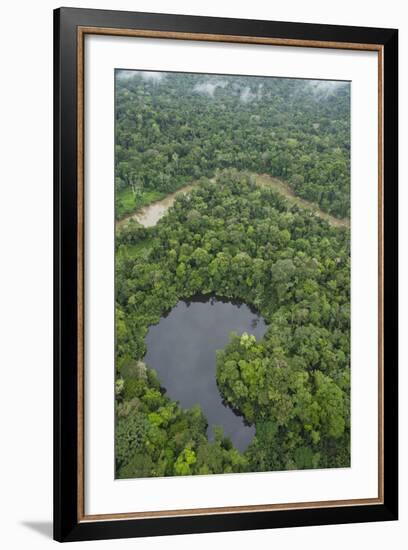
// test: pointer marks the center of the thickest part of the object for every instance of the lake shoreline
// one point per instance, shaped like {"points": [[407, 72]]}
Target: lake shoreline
{"points": [[195, 330]]}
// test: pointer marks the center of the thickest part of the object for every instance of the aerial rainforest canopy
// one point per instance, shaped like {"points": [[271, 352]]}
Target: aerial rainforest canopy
{"points": [[233, 238]]}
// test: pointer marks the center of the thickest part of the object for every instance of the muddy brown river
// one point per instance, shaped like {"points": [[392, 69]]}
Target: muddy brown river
{"points": [[149, 215]]}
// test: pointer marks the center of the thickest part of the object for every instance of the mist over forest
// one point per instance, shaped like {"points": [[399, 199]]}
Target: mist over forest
{"points": [[175, 127], [232, 190]]}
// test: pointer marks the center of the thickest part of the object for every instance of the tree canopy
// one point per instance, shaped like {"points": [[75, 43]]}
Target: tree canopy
{"points": [[175, 128], [235, 240]]}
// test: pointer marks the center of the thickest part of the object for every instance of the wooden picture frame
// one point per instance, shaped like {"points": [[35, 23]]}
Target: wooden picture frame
{"points": [[71, 522]]}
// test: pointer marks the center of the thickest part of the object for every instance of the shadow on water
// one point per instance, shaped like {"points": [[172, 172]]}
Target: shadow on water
{"points": [[182, 349]]}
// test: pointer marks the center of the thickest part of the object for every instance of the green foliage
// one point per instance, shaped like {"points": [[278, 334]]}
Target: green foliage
{"points": [[232, 238], [239, 241], [304, 410], [187, 126], [184, 462]]}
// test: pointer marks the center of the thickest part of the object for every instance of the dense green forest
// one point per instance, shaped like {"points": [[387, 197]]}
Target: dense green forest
{"points": [[234, 239], [173, 128]]}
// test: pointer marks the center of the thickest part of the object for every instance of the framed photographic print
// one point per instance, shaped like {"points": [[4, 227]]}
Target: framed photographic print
{"points": [[225, 274]]}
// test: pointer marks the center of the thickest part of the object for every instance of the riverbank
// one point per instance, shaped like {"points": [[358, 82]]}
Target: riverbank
{"points": [[284, 189], [148, 216]]}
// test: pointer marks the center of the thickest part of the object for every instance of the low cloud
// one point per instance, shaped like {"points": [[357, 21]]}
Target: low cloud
{"points": [[208, 88], [325, 88], [153, 76], [246, 95]]}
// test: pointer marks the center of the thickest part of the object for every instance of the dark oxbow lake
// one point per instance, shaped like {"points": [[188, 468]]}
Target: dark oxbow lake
{"points": [[182, 349]]}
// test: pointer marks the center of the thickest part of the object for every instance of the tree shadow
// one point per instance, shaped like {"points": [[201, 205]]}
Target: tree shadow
{"points": [[44, 528]]}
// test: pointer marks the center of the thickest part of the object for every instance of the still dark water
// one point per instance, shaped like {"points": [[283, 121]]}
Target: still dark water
{"points": [[181, 348]]}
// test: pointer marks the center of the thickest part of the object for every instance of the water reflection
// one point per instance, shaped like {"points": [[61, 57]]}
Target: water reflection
{"points": [[181, 348]]}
